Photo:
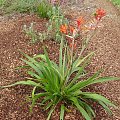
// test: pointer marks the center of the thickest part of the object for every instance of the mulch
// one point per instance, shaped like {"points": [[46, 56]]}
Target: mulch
{"points": [[13, 104]]}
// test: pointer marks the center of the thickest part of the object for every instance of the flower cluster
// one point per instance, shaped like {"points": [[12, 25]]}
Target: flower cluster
{"points": [[80, 21], [99, 14], [63, 29], [70, 32]]}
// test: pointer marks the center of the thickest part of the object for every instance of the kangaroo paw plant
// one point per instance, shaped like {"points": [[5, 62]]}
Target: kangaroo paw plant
{"points": [[63, 83]]}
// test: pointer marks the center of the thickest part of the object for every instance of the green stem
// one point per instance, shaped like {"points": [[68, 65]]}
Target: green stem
{"points": [[72, 51]]}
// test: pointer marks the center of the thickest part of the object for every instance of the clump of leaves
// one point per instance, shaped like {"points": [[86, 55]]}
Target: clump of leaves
{"points": [[31, 32], [58, 87]]}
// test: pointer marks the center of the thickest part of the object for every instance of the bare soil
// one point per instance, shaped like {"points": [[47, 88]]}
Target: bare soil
{"points": [[106, 43]]}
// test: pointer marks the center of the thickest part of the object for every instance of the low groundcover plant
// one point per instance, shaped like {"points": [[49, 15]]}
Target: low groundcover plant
{"points": [[63, 83]]}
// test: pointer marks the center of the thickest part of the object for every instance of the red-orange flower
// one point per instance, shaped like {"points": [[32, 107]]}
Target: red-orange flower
{"points": [[80, 21], [99, 14], [71, 29], [73, 45], [63, 29]]}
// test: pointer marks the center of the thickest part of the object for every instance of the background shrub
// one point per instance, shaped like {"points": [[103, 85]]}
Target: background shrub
{"points": [[116, 2], [43, 8]]}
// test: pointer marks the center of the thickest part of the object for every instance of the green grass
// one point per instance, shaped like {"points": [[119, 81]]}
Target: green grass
{"points": [[116, 2]]}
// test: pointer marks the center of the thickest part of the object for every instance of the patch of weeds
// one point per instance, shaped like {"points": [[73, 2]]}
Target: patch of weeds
{"points": [[56, 19], [34, 35], [30, 32]]}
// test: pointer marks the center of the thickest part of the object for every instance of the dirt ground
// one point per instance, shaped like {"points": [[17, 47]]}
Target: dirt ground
{"points": [[106, 43]]}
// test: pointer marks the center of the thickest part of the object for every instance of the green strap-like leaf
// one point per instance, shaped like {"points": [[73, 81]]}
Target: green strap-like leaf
{"points": [[84, 83], [62, 112], [80, 108], [38, 95], [40, 56], [105, 107], [47, 58], [97, 97], [34, 75], [33, 66], [75, 78], [80, 71], [28, 82], [49, 104], [60, 54], [33, 100], [47, 98], [79, 60], [88, 108], [64, 63], [50, 113], [25, 55], [105, 79]]}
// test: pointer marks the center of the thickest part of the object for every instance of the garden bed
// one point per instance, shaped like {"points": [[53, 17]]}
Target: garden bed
{"points": [[12, 38]]}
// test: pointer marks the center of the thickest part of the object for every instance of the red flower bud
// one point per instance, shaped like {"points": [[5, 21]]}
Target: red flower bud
{"points": [[63, 29], [80, 21], [73, 45], [71, 29]]}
